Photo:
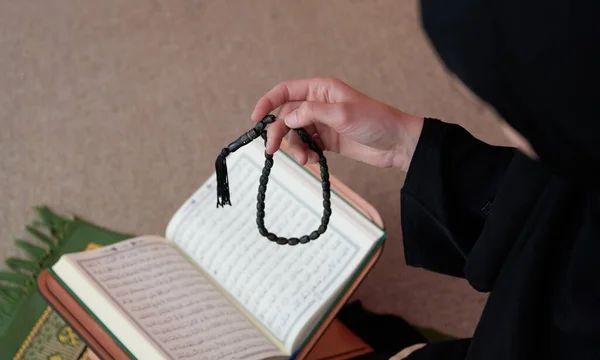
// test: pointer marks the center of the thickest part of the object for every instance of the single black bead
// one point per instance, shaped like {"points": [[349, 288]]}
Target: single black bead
{"points": [[282, 241], [260, 221], [269, 119], [293, 241], [260, 214], [263, 231], [327, 212], [260, 196], [260, 126], [260, 206], [325, 185], [326, 203], [271, 236], [325, 220], [326, 195], [314, 235], [322, 229], [264, 180], [304, 239]]}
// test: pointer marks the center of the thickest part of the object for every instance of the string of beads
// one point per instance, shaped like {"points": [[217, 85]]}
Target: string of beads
{"points": [[260, 130]]}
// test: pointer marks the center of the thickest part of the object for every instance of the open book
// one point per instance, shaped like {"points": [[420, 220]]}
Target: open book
{"points": [[213, 287]]}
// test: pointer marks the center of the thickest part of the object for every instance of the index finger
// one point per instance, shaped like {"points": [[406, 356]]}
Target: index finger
{"points": [[315, 89], [283, 92]]}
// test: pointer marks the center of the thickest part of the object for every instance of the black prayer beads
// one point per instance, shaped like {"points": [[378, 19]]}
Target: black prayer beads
{"points": [[223, 183]]}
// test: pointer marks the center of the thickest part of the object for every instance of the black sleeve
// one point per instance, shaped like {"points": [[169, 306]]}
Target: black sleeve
{"points": [[449, 190]]}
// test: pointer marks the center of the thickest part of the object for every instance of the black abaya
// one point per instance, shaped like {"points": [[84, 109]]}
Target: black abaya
{"points": [[527, 231]]}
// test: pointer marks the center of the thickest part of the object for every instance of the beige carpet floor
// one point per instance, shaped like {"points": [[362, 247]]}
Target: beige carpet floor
{"points": [[114, 110]]}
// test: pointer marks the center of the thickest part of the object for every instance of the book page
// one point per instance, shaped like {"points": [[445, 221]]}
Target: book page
{"points": [[159, 305], [285, 288]]}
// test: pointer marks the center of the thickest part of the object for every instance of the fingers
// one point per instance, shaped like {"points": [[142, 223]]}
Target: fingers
{"points": [[407, 351], [287, 108], [283, 92], [313, 158], [296, 148], [300, 150], [274, 141], [306, 114], [332, 115], [316, 89], [277, 131], [275, 134]]}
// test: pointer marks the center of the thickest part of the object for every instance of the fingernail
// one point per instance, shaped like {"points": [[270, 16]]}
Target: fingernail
{"points": [[268, 144], [291, 120]]}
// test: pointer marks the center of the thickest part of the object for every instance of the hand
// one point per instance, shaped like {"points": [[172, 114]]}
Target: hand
{"points": [[407, 351], [342, 120]]}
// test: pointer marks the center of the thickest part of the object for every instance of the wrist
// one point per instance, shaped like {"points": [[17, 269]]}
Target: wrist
{"points": [[409, 132]]}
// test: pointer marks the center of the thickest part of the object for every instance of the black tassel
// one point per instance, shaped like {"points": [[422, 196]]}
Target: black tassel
{"points": [[222, 179], [221, 164]]}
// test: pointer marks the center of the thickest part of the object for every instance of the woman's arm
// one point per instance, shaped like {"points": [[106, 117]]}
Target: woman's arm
{"points": [[452, 179], [449, 190]]}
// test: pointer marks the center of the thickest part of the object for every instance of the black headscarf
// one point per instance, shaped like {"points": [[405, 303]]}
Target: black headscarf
{"points": [[526, 231], [536, 62]]}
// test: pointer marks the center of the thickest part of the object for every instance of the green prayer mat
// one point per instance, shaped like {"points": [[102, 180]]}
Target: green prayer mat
{"points": [[29, 328]]}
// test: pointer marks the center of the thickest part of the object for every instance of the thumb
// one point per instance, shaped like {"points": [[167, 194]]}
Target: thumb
{"points": [[311, 112]]}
